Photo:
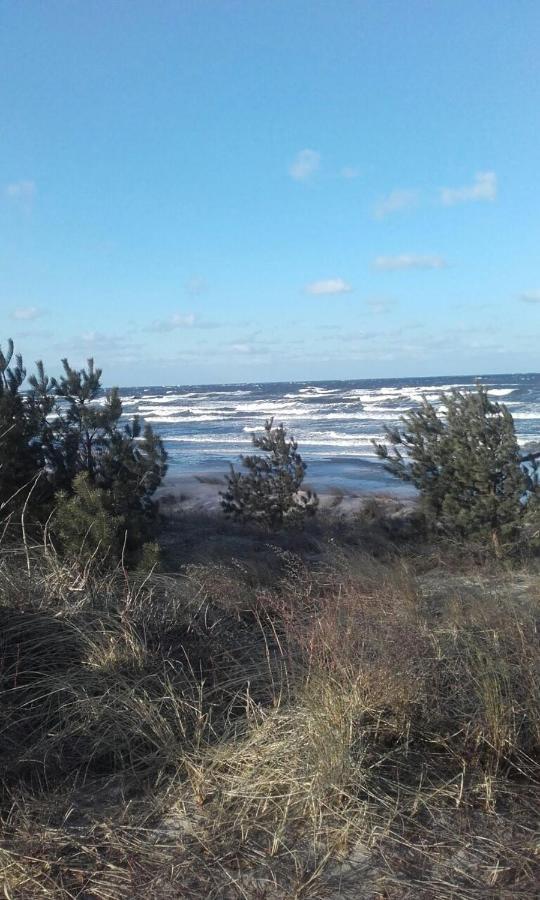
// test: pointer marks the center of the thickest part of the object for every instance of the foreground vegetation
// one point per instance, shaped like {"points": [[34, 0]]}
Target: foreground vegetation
{"points": [[68, 462], [276, 704], [342, 713]]}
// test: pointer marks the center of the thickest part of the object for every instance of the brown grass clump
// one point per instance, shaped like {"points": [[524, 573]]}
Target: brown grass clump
{"points": [[350, 729]]}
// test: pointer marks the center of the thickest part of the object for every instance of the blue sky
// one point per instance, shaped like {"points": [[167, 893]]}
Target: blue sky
{"points": [[202, 191]]}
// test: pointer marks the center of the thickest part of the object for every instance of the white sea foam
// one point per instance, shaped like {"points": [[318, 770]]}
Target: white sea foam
{"points": [[205, 439], [329, 453], [359, 437], [198, 395], [311, 440], [337, 422], [317, 391], [168, 410], [182, 420]]}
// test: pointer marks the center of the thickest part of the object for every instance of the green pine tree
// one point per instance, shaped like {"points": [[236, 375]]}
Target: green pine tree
{"points": [[86, 526], [131, 469], [20, 452], [42, 403], [60, 429], [84, 425], [126, 462], [270, 492], [465, 462]]}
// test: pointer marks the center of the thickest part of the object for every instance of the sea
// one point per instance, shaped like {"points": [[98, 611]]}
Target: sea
{"points": [[205, 428]]}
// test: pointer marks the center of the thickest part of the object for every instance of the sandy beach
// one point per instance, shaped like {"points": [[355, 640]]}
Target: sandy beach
{"points": [[200, 492]]}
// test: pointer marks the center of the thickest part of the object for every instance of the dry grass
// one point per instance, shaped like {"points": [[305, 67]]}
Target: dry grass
{"points": [[351, 729]]}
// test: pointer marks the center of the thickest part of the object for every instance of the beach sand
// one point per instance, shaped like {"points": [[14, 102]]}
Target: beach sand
{"points": [[200, 492]]}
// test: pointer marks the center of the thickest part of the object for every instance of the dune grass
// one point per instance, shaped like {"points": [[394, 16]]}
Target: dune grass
{"points": [[335, 718]]}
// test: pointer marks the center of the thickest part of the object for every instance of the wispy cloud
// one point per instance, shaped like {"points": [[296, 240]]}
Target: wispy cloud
{"points": [[396, 201], [349, 337], [21, 194], [530, 297], [177, 320], [106, 347], [408, 261], [243, 348], [484, 187], [251, 348], [329, 286], [182, 320], [21, 190], [27, 313], [33, 333], [96, 337], [305, 164], [350, 172]]}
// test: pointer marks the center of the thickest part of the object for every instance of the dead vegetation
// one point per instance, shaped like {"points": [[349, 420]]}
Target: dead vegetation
{"points": [[315, 720]]}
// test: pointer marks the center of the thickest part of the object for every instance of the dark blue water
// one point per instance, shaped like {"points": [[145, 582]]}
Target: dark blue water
{"points": [[206, 427]]}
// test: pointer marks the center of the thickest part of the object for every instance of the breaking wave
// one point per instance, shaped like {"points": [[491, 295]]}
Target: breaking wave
{"points": [[332, 421]]}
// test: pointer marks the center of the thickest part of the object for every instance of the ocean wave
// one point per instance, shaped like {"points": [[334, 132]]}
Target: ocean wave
{"points": [[168, 410], [534, 414], [314, 437], [182, 420], [339, 435], [205, 439], [228, 454], [330, 421], [201, 395], [404, 391], [318, 391]]}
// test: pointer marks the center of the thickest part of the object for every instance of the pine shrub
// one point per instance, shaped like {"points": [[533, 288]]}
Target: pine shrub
{"points": [[270, 492], [65, 438], [85, 525], [21, 458], [465, 461]]}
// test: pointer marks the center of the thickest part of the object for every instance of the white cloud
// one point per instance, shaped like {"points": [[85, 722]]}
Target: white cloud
{"points": [[26, 313], [396, 201], [484, 187], [305, 164], [21, 191], [248, 348], [107, 347], [329, 286], [530, 297], [241, 348], [177, 320], [408, 261], [93, 337], [350, 172]]}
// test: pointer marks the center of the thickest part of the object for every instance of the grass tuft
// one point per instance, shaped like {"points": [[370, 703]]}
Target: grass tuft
{"points": [[321, 719]]}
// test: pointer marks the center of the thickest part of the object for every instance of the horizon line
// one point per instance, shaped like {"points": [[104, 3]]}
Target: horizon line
{"points": [[315, 381]]}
